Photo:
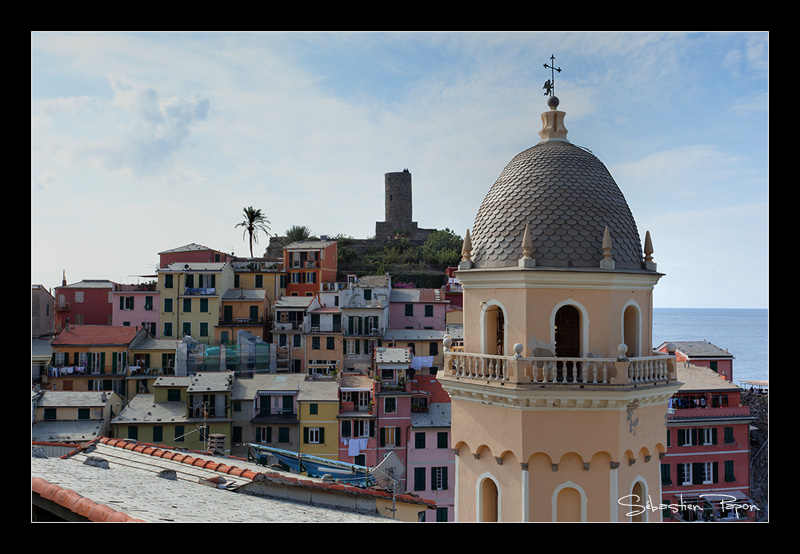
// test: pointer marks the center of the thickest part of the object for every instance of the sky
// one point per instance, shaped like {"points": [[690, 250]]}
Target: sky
{"points": [[144, 142]]}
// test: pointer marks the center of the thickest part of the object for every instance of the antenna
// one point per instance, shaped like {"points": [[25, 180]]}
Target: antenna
{"points": [[550, 85]]}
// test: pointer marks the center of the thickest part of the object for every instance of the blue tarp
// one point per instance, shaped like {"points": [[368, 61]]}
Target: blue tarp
{"points": [[314, 466]]}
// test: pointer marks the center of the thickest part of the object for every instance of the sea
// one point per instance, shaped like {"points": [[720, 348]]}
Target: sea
{"points": [[742, 332]]}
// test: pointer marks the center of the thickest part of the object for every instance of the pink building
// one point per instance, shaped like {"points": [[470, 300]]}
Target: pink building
{"points": [[703, 354], [136, 306], [375, 409], [392, 400], [417, 309], [430, 465]]}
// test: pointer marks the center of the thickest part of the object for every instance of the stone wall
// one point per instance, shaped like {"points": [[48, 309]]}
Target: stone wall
{"points": [[759, 451]]}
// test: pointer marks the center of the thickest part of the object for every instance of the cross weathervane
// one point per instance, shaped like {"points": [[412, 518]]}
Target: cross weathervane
{"points": [[550, 85]]}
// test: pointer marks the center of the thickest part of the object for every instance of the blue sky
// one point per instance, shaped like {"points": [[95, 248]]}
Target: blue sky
{"points": [[142, 142]]}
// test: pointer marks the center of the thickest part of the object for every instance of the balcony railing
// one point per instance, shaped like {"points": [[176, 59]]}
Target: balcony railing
{"points": [[321, 328], [560, 370], [702, 413], [369, 332], [287, 325], [199, 291]]}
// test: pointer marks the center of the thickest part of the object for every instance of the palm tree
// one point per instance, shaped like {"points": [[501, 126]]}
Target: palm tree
{"points": [[296, 233], [254, 221]]}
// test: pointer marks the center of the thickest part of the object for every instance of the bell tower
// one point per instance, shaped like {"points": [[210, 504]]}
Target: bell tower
{"points": [[558, 403]]}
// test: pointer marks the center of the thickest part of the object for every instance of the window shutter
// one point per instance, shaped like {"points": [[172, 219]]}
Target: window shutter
{"points": [[665, 480], [346, 428], [444, 478], [305, 435], [322, 435], [419, 478], [730, 476], [102, 362], [383, 437], [697, 473], [680, 437], [715, 471], [714, 436], [694, 436]]}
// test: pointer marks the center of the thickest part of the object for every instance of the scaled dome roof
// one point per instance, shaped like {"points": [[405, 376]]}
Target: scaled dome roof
{"points": [[567, 197]]}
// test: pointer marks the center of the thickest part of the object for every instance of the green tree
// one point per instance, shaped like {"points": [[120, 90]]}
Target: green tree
{"points": [[254, 221], [443, 247], [296, 233]]}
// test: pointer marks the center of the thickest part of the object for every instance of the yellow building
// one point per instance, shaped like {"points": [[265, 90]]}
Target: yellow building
{"points": [[318, 404], [149, 359], [189, 412], [248, 305], [191, 296], [73, 416], [324, 342], [558, 402]]}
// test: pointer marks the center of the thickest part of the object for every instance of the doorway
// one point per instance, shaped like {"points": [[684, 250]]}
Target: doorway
{"points": [[494, 325], [568, 342]]}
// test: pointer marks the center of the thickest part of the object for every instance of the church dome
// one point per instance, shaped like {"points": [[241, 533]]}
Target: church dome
{"points": [[567, 199]]}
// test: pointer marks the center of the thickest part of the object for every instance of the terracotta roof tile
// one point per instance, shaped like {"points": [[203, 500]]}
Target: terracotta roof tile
{"points": [[91, 335]]}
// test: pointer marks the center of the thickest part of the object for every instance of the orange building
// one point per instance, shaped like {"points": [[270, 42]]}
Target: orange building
{"points": [[308, 264], [558, 402], [91, 357]]}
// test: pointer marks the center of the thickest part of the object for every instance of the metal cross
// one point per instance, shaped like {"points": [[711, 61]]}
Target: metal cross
{"points": [[550, 85]]}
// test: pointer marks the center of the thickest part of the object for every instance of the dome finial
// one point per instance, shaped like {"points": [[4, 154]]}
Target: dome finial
{"points": [[550, 85], [527, 249], [648, 253], [608, 260], [466, 253], [553, 121]]}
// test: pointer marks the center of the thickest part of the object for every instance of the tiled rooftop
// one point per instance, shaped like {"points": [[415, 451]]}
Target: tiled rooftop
{"points": [[568, 197], [95, 335], [118, 480], [697, 378]]}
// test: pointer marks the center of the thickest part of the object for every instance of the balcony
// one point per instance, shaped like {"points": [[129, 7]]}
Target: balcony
{"points": [[706, 413], [370, 332], [322, 328], [304, 264], [287, 326], [560, 371], [242, 320], [199, 291]]}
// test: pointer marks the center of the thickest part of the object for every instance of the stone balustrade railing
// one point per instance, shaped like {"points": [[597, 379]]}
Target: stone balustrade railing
{"points": [[560, 370]]}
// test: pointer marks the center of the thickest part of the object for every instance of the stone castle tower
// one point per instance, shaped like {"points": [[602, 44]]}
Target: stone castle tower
{"points": [[399, 206], [558, 402]]}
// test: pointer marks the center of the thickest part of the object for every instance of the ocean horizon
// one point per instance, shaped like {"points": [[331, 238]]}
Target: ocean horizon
{"points": [[744, 332]]}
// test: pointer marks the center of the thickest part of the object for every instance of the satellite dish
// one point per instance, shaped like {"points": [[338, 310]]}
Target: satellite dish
{"points": [[389, 471]]}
